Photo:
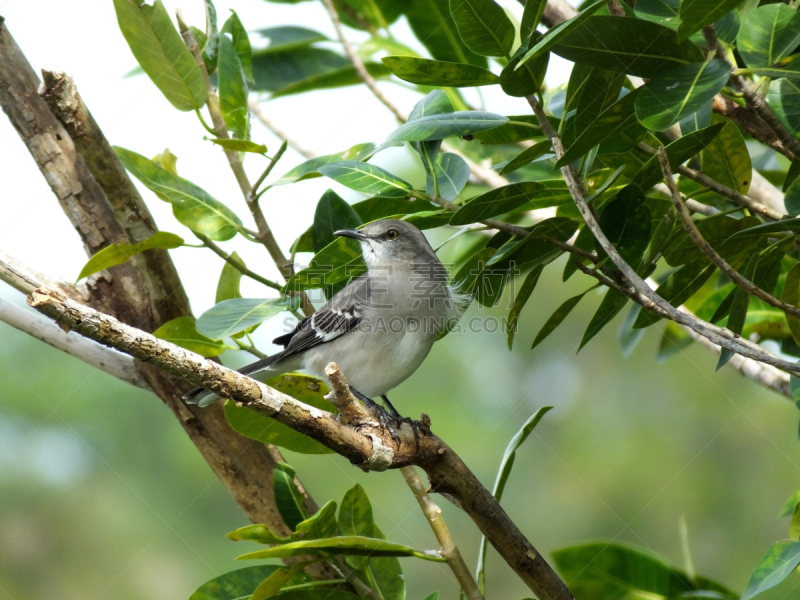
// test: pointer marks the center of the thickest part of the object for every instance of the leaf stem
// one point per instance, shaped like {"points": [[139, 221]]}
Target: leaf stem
{"points": [[236, 264], [254, 195]]}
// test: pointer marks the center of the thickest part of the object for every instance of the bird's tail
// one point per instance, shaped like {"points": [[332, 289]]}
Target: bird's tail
{"points": [[261, 370]]}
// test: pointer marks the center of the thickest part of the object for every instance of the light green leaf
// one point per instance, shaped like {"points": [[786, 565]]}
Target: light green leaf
{"points": [[768, 34], [516, 129], [431, 22], [289, 37], [116, 254], [241, 41], [336, 262], [780, 561], [237, 314], [484, 26], [791, 295], [726, 158], [788, 67], [496, 202], [240, 584], [627, 336], [240, 145], [672, 95], [229, 281], [160, 51], [345, 545], [696, 14], [784, 98], [333, 78], [444, 125], [182, 332], [210, 36], [632, 46], [367, 178], [452, 174], [332, 214], [424, 71], [527, 156], [192, 205], [273, 584], [308, 390], [288, 499], [789, 506], [310, 168], [232, 89], [522, 298], [561, 313]]}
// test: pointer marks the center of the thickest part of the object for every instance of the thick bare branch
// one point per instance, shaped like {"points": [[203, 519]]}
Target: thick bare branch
{"points": [[366, 445]]}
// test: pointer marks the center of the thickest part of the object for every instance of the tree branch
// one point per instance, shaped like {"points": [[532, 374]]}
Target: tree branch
{"points": [[236, 264], [366, 445]]}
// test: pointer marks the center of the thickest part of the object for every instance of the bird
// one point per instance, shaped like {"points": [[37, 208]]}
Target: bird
{"points": [[379, 328]]}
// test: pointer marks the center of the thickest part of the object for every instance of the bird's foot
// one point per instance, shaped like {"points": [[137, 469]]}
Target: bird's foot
{"points": [[384, 419], [419, 428]]}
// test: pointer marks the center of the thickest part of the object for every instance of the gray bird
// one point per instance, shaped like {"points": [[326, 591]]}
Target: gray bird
{"points": [[380, 327]]}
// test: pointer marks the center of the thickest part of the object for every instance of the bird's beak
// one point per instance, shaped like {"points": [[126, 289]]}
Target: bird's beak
{"points": [[351, 233]]}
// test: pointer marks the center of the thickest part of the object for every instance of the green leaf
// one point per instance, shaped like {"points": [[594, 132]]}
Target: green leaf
{"points": [[791, 295], [531, 17], [288, 499], [431, 22], [210, 45], [664, 12], [522, 298], [229, 281], [191, 205], [627, 336], [432, 596], [182, 332], [310, 168], [484, 26], [504, 472], [336, 262], [424, 71], [780, 561], [241, 41], [726, 158], [672, 95], [768, 34], [678, 288], [632, 46], [237, 314], [612, 303], [355, 514], [560, 32], [738, 313], [626, 221], [445, 125], [240, 145], [614, 119], [289, 37], [557, 318], [452, 174], [273, 584], [308, 390], [116, 254], [232, 89], [529, 78], [527, 156], [718, 231], [696, 14], [239, 584], [784, 98], [788, 67], [160, 51], [332, 214], [516, 129], [789, 506], [345, 545], [791, 175], [784, 226], [367, 178], [373, 209], [496, 202], [678, 152], [590, 91], [315, 594]]}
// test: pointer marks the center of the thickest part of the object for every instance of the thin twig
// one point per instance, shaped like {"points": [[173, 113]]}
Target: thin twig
{"points": [[236, 264], [645, 295], [254, 191], [449, 549], [708, 250], [259, 114]]}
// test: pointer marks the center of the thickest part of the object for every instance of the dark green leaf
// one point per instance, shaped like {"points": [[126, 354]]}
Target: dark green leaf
{"points": [[320, 525], [768, 34], [792, 199], [237, 314], [527, 156], [612, 303], [366, 178], [780, 561], [373, 209], [334, 78], [516, 129], [678, 152], [791, 175], [674, 339], [626, 221], [229, 281], [718, 231], [496, 202], [674, 94], [424, 71], [116, 254], [664, 12], [288, 499], [591, 90], [431, 22], [239, 584], [696, 14], [308, 390], [182, 332], [310, 168], [240, 145], [315, 594], [345, 545], [522, 298], [289, 37], [336, 262], [611, 121], [678, 288], [434, 103], [557, 318], [192, 205], [159, 49], [452, 174], [528, 79], [791, 295], [355, 514], [738, 313], [241, 41], [632, 46], [784, 98], [788, 67], [726, 158], [484, 26], [332, 214], [699, 120], [531, 16], [785, 226], [444, 125]]}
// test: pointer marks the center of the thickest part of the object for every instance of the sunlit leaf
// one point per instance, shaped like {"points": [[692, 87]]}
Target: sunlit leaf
{"points": [[182, 332], [726, 158], [240, 145], [310, 168], [780, 561], [366, 178], [288, 499], [241, 583], [424, 71], [444, 125], [768, 34], [237, 314], [484, 26], [241, 42], [116, 254]]}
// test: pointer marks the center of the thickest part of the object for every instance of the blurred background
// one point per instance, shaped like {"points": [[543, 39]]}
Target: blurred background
{"points": [[102, 495]]}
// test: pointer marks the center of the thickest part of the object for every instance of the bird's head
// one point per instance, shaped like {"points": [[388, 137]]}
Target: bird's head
{"points": [[389, 242]]}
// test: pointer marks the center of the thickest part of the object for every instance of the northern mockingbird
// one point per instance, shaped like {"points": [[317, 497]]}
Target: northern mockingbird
{"points": [[379, 328]]}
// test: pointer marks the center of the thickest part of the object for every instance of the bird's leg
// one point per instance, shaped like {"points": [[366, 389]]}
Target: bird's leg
{"points": [[416, 426], [379, 412]]}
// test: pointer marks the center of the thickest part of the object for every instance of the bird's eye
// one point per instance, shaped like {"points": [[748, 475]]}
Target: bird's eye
{"points": [[391, 234]]}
